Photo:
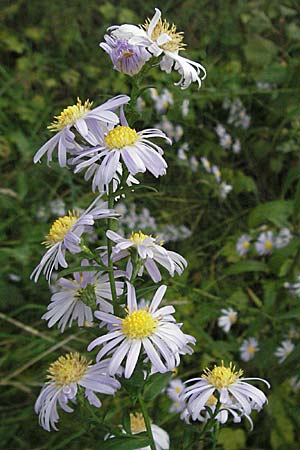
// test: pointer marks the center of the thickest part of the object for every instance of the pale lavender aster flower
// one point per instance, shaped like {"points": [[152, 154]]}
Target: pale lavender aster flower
{"points": [[126, 58], [76, 299], [228, 318], [206, 164], [283, 238], [150, 331], [68, 374], [243, 244], [150, 251], [217, 173], [265, 243], [236, 148], [282, 352], [248, 349], [86, 121], [65, 234], [185, 107]]}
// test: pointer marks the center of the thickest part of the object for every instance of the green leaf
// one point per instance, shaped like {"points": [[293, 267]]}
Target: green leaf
{"points": [[296, 209], [276, 212], [232, 439], [126, 443], [260, 51], [247, 266], [155, 384]]}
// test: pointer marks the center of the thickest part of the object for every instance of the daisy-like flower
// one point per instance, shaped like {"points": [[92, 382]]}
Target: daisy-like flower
{"points": [[85, 120], [248, 349], [150, 251], [174, 391], [236, 148], [265, 243], [67, 375], [282, 352], [161, 38], [230, 386], [293, 288], [135, 149], [206, 164], [76, 299], [65, 234], [243, 244], [217, 173], [228, 318], [283, 238], [126, 58], [225, 188], [149, 331]]}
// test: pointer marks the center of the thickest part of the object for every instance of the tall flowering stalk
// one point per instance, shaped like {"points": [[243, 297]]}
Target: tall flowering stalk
{"points": [[134, 338]]}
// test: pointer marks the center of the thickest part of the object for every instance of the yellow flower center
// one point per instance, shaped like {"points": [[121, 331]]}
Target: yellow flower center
{"points": [[246, 244], [137, 423], [60, 228], [251, 349], [139, 324], [212, 401], [175, 43], [121, 136], [268, 245], [232, 317], [222, 376], [138, 238], [70, 114], [68, 369], [178, 389]]}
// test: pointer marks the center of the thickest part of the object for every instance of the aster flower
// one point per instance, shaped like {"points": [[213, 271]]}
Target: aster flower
{"points": [[85, 120], [217, 173], [236, 148], [265, 243], [135, 149], [229, 385], [248, 348], [243, 244], [228, 318], [282, 352], [126, 58], [150, 251], [65, 234], [67, 375], [225, 188], [283, 238], [76, 299], [149, 331], [293, 288], [206, 164], [161, 38]]}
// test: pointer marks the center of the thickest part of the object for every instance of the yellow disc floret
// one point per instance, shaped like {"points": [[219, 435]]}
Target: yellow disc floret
{"points": [[163, 27], [121, 136], [212, 401], [70, 114], [68, 369], [139, 324], [138, 238], [268, 245], [246, 244], [60, 228], [222, 376], [137, 423]]}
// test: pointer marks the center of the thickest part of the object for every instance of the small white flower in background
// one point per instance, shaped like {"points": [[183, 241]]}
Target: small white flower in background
{"points": [[175, 389], [185, 107], [14, 278], [231, 387], [67, 375], [295, 383], [248, 349], [225, 189], [293, 288], [265, 243], [85, 120], [243, 244], [150, 331], [194, 163], [226, 141], [236, 148], [150, 251], [161, 38], [181, 154], [65, 234], [76, 299], [172, 233], [206, 164], [228, 318], [140, 104], [217, 173], [220, 130], [282, 352], [283, 238], [238, 115], [161, 102], [178, 133], [265, 86], [57, 207]]}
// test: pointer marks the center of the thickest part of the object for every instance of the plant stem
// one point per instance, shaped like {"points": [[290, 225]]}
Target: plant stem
{"points": [[109, 251], [147, 421]]}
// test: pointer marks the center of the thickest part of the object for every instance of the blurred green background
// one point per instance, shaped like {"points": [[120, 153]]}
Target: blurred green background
{"points": [[49, 56]]}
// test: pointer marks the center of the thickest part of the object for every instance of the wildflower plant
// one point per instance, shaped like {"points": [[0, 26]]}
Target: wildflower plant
{"points": [[139, 342]]}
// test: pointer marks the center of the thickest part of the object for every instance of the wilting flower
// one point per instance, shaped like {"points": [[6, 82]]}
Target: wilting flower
{"points": [[149, 331], [282, 352], [243, 244], [150, 251], [248, 348], [265, 243], [161, 38], [65, 234], [85, 120], [228, 318], [283, 238], [230, 386], [136, 150], [127, 58], [76, 299], [67, 375]]}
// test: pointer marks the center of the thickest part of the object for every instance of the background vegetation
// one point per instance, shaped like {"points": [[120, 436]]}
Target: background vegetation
{"points": [[50, 55]]}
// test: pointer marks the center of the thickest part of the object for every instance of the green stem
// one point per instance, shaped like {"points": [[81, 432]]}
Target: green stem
{"points": [[109, 251], [147, 421], [215, 435]]}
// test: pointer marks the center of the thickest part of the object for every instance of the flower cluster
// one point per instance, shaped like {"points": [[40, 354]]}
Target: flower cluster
{"points": [[223, 188], [266, 241]]}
